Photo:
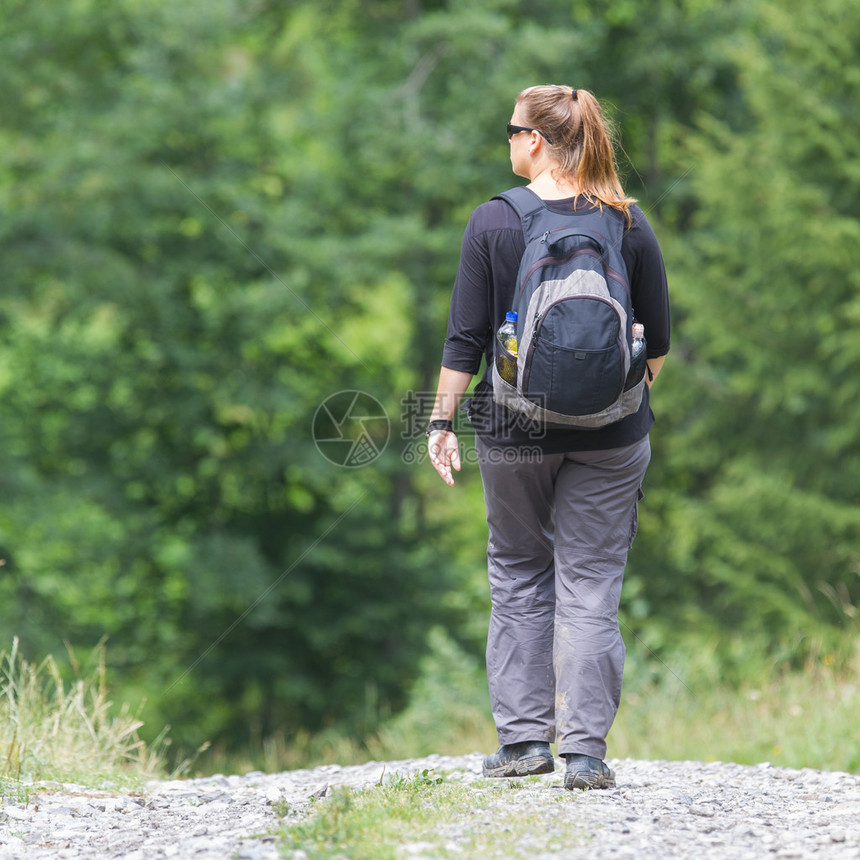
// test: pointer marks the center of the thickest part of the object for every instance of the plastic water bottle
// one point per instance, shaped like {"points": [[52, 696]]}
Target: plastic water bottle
{"points": [[507, 359], [638, 340], [508, 333]]}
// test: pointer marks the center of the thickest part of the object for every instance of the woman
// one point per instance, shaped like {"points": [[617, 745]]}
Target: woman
{"points": [[561, 502]]}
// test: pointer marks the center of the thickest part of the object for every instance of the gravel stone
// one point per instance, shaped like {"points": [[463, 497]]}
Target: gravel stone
{"points": [[660, 809]]}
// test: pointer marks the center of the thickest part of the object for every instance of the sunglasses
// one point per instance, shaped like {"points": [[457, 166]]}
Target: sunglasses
{"points": [[516, 129]]}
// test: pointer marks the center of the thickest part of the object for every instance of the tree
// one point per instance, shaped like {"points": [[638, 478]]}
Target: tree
{"points": [[760, 529], [173, 318]]}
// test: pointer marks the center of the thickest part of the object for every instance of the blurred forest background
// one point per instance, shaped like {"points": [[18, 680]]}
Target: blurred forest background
{"points": [[216, 214]]}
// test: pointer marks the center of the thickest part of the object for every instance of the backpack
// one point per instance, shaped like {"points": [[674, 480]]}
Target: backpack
{"points": [[573, 365]]}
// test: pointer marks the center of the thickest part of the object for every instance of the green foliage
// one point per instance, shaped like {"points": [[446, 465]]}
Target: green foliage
{"points": [[218, 214], [448, 713], [756, 476], [185, 287]]}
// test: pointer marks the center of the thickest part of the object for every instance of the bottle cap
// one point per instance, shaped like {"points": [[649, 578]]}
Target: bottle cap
{"points": [[511, 316], [638, 330]]}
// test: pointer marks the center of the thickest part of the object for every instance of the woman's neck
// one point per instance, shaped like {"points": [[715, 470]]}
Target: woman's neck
{"points": [[547, 187]]}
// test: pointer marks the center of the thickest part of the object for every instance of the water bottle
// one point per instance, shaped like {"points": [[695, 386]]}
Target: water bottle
{"points": [[506, 360], [638, 340]]}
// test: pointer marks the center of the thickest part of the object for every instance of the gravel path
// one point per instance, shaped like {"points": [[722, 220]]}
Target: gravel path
{"points": [[659, 810]]}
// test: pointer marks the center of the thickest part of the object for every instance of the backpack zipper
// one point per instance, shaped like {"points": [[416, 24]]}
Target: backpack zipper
{"points": [[575, 231]]}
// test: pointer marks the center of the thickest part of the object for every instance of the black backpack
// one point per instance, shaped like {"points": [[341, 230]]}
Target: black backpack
{"points": [[574, 324]]}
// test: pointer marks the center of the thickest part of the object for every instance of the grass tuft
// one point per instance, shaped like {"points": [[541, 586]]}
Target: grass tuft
{"points": [[428, 816], [59, 731]]}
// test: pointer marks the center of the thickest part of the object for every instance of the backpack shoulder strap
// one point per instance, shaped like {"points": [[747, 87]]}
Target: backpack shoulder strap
{"points": [[605, 228], [526, 204]]}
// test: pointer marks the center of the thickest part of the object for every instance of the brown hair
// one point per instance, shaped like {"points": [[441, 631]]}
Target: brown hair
{"points": [[582, 140]]}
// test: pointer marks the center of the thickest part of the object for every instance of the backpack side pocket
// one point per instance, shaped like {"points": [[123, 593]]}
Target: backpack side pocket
{"points": [[638, 367]]}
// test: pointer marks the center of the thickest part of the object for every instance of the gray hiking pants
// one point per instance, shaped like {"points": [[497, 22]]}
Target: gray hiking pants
{"points": [[561, 526]]}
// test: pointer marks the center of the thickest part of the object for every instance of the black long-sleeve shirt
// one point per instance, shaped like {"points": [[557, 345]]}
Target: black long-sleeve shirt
{"points": [[493, 245]]}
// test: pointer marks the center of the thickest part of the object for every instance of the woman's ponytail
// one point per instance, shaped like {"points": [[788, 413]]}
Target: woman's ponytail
{"points": [[582, 141]]}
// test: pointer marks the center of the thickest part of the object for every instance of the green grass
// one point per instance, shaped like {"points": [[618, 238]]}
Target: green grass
{"points": [[427, 816], [697, 704], [685, 707], [680, 709], [66, 731], [801, 717]]}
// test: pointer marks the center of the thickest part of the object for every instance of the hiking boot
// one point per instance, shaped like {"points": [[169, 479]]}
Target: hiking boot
{"points": [[586, 772], [522, 759]]}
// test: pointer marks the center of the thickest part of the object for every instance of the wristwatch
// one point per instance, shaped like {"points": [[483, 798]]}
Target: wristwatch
{"points": [[439, 424]]}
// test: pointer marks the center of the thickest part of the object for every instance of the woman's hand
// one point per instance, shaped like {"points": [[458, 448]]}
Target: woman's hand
{"points": [[444, 453], [442, 444], [654, 365]]}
